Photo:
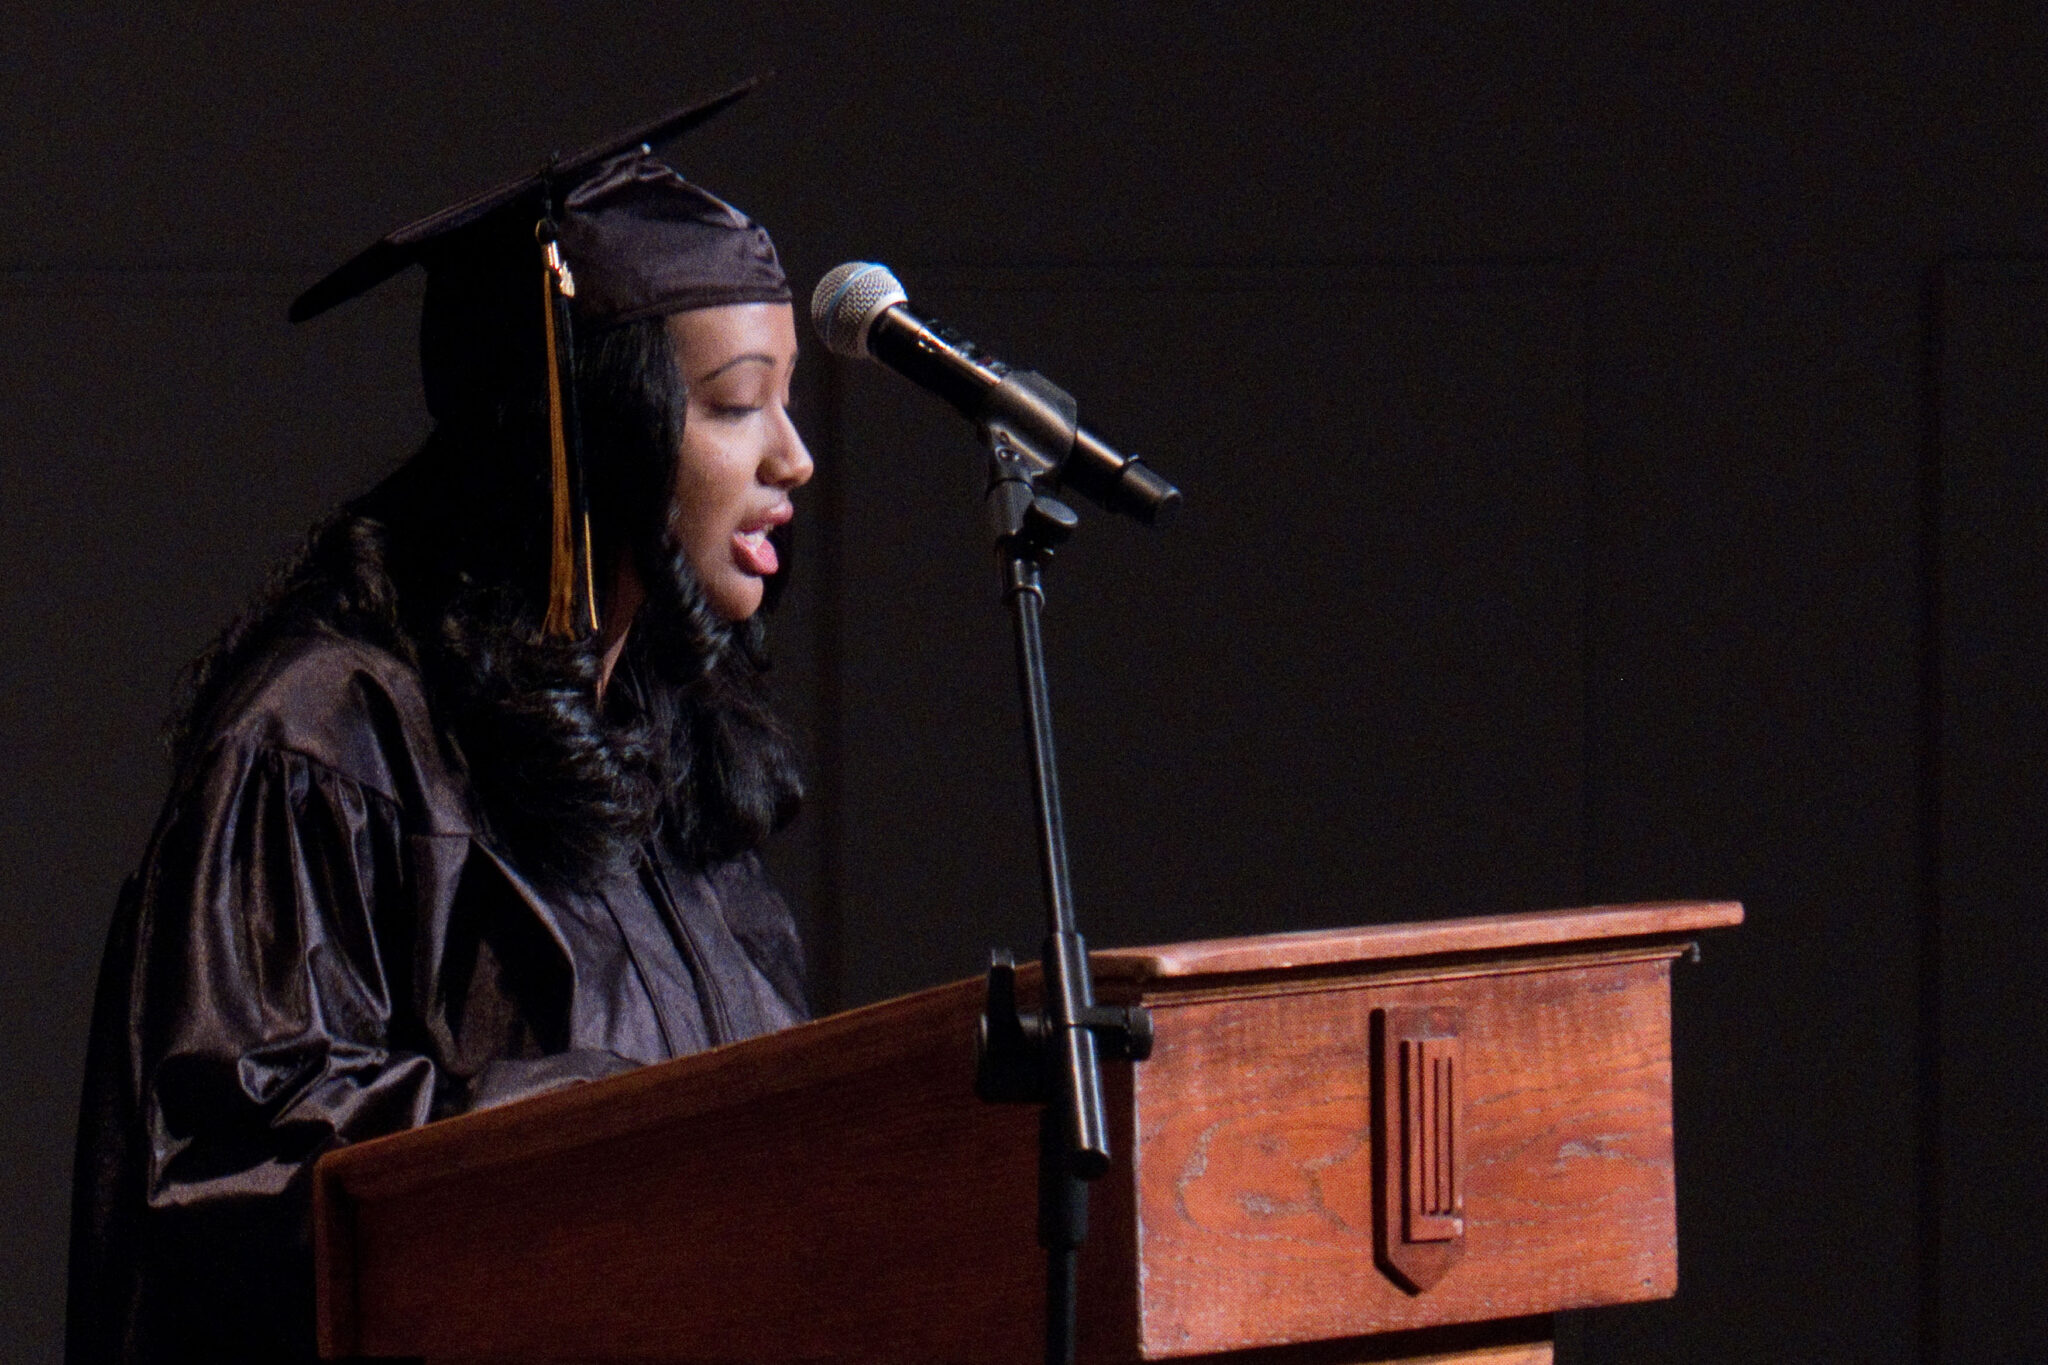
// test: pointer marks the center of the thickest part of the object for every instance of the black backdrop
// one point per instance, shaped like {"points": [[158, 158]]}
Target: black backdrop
{"points": [[1616, 442]]}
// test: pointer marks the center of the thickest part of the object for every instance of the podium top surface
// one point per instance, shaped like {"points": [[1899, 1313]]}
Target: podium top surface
{"points": [[1313, 948]]}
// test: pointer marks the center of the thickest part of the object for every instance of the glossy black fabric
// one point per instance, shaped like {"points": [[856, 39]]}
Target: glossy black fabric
{"points": [[453, 229], [644, 242], [640, 242], [320, 947]]}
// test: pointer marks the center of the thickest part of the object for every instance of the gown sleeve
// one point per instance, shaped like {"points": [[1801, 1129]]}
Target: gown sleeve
{"points": [[244, 1026]]}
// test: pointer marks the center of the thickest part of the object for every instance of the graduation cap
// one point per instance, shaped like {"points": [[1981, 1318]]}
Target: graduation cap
{"points": [[607, 236]]}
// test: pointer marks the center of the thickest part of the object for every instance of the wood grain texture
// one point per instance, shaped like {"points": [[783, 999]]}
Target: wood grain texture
{"points": [[835, 1192], [1255, 1169], [838, 1193], [1417, 1103], [1388, 942]]}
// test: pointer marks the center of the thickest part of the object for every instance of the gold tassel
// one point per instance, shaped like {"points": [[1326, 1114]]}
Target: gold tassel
{"points": [[568, 579], [561, 552]]}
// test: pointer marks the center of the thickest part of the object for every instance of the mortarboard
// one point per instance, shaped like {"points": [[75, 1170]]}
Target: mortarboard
{"points": [[610, 235]]}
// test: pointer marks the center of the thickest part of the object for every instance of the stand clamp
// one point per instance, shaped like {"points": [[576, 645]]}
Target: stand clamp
{"points": [[1014, 1055]]}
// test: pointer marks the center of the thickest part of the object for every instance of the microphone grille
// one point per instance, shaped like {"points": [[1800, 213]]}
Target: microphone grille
{"points": [[847, 302]]}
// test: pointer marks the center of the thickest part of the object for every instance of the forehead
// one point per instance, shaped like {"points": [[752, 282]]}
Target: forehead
{"points": [[708, 338]]}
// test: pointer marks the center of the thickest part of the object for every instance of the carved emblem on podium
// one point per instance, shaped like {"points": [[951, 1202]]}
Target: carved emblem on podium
{"points": [[1419, 1155]]}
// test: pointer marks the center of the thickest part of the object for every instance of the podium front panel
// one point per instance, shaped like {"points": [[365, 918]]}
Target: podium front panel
{"points": [[1265, 1208]]}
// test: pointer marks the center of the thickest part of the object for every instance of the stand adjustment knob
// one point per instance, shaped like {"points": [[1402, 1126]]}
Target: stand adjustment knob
{"points": [[1048, 523]]}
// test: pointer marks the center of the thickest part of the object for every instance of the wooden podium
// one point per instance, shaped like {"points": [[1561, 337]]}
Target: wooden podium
{"points": [[1406, 1142]]}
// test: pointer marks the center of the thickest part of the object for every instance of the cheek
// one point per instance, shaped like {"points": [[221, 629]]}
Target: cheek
{"points": [[707, 494]]}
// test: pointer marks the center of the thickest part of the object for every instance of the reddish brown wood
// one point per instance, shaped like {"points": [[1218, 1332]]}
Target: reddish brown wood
{"points": [[1398, 1349], [1418, 1172], [1385, 942], [1256, 1146], [835, 1193]]}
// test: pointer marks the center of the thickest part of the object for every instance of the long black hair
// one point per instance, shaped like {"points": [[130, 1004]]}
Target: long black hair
{"points": [[444, 565]]}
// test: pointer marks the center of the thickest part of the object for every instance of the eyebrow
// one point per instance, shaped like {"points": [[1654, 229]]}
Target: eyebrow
{"points": [[761, 356]]}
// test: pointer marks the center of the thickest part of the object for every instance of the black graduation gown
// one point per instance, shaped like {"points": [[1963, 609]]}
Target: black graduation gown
{"points": [[320, 947]]}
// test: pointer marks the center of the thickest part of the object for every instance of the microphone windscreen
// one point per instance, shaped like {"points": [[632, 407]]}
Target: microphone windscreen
{"points": [[847, 302]]}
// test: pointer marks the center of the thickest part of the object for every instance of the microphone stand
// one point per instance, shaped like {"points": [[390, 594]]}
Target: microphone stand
{"points": [[1050, 1057]]}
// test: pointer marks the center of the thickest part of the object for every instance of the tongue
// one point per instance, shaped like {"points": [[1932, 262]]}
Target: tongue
{"points": [[754, 554]]}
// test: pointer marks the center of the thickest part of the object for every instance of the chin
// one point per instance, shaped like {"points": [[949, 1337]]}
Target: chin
{"points": [[735, 603]]}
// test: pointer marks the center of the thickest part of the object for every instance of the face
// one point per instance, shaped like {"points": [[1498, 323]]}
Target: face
{"points": [[741, 457]]}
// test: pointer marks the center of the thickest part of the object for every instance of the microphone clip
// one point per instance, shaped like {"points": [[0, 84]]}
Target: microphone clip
{"points": [[1025, 523]]}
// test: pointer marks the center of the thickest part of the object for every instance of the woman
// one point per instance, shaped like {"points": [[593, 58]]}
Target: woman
{"points": [[428, 847]]}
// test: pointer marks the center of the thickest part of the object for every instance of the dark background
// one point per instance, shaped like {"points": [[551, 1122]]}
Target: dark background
{"points": [[1616, 441]]}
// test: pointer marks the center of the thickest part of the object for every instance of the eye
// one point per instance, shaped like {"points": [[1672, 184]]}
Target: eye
{"points": [[732, 412]]}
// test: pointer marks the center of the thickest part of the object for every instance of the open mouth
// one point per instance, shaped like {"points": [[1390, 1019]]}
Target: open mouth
{"points": [[753, 553]]}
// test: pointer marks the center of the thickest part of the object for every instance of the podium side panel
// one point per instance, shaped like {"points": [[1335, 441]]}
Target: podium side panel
{"points": [[879, 1213]]}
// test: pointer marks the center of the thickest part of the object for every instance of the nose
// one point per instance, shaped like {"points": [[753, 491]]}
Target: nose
{"points": [[787, 461]]}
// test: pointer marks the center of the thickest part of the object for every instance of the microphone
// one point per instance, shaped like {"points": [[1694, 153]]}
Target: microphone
{"points": [[861, 312]]}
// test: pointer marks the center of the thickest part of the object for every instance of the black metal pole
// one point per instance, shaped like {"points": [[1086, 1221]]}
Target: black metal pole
{"points": [[1053, 1057], [1068, 990], [1062, 1227]]}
